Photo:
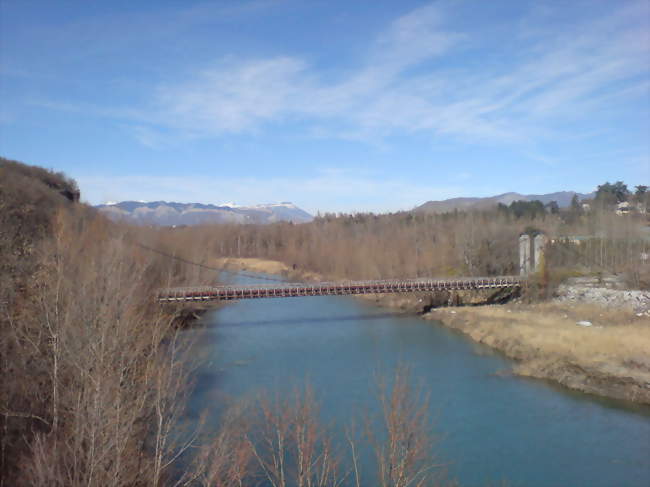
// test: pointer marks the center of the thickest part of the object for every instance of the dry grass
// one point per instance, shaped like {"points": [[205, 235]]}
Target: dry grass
{"points": [[252, 264], [611, 357], [266, 266]]}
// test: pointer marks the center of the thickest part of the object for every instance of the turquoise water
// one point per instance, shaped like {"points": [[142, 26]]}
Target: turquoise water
{"points": [[493, 427]]}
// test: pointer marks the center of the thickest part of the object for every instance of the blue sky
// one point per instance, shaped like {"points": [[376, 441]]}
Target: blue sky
{"points": [[336, 106]]}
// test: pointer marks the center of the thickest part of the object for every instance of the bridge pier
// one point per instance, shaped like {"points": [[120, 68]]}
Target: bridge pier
{"points": [[524, 254], [539, 248], [531, 253]]}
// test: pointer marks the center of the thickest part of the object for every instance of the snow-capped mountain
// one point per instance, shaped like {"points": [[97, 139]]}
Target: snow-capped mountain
{"points": [[169, 213]]}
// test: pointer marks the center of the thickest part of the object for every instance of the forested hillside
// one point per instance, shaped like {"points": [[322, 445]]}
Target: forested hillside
{"points": [[84, 364]]}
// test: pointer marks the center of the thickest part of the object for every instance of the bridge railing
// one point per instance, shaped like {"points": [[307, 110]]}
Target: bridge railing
{"points": [[231, 292]]}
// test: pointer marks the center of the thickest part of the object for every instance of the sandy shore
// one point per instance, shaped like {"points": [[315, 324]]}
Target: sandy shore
{"points": [[264, 266], [253, 265]]}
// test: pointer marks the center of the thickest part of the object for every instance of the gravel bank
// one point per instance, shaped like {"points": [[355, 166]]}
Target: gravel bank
{"points": [[589, 291]]}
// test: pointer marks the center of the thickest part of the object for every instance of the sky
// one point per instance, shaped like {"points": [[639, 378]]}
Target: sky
{"points": [[333, 105]]}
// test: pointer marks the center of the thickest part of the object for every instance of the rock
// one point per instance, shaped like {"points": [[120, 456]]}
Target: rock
{"points": [[584, 323], [588, 293]]}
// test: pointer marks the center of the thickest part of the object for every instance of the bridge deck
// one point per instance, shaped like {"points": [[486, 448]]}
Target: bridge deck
{"points": [[280, 290]]}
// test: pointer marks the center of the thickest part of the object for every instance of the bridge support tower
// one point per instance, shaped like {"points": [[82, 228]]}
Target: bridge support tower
{"points": [[539, 248], [531, 253], [524, 254]]}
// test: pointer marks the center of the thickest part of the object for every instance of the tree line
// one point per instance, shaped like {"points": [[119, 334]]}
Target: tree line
{"points": [[413, 244]]}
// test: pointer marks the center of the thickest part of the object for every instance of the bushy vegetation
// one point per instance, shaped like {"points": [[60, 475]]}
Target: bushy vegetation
{"points": [[527, 209], [610, 194], [280, 441], [93, 370]]}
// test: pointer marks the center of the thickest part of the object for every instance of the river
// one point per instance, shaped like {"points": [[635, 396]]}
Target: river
{"points": [[493, 427]]}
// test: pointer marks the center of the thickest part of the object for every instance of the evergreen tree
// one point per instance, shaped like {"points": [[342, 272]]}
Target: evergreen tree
{"points": [[610, 194], [553, 207]]}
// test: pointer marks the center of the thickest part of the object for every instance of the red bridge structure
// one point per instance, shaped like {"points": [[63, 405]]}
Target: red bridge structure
{"points": [[288, 290]]}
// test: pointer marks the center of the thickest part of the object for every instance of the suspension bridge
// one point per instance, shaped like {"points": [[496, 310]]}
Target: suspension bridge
{"points": [[289, 290]]}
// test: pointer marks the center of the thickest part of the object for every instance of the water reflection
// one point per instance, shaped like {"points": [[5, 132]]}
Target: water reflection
{"points": [[309, 319]]}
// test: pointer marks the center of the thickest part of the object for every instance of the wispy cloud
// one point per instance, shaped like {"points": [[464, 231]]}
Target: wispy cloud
{"points": [[233, 97], [147, 136], [404, 83], [555, 76]]}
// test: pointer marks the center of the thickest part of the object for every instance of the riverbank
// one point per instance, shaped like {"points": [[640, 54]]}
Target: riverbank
{"points": [[252, 264], [596, 348], [607, 354], [585, 347]]}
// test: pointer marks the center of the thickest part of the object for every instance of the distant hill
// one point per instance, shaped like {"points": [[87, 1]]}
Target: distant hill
{"points": [[563, 199], [170, 213]]}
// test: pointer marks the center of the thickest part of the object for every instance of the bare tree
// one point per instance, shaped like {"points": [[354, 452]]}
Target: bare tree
{"points": [[226, 460], [403, 446], [290, 444], [111, 372]]}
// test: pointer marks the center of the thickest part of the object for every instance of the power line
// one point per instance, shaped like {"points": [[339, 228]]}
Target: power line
{"points": [[198, 264]]}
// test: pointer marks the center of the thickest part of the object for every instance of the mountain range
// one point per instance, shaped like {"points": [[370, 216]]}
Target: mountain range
{"points": [[563, 199], [169, 213]]}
